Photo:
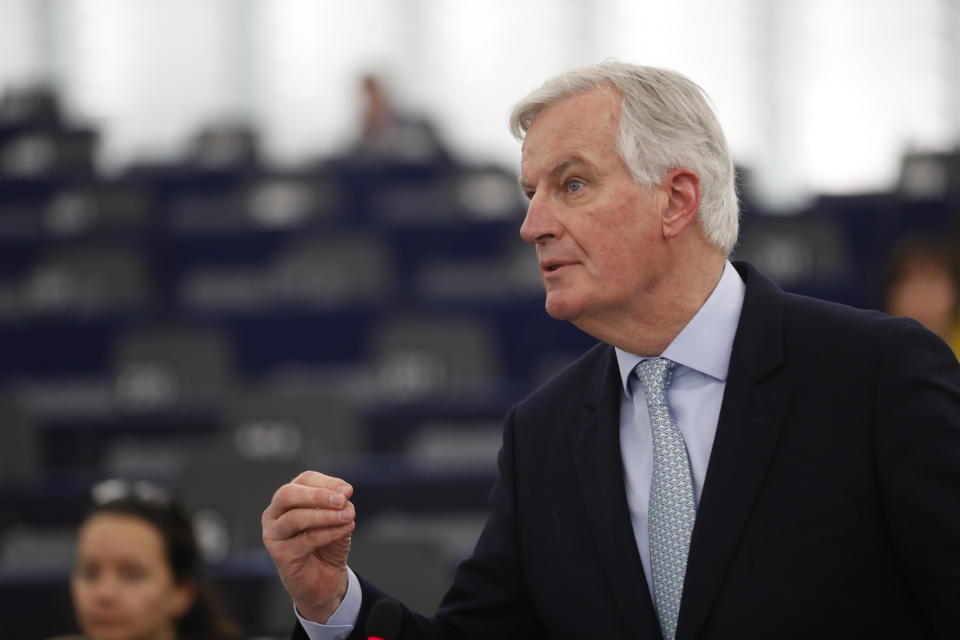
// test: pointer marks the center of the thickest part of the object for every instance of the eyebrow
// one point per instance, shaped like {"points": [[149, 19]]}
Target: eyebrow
{"points": [[560, 167]]}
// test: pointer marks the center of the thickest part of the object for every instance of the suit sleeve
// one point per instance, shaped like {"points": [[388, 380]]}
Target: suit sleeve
{"points": [[489, 597], [918, 446]]}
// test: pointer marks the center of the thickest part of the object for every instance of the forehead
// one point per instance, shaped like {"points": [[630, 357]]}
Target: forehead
{"points": [[116, 533], [582, 127]]}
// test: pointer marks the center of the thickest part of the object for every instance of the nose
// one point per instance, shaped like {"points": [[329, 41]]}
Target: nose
{"points": [[540, 224], [105, 589]]}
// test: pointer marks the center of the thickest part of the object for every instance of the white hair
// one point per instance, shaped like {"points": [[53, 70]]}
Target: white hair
{"points": [[665, 123]]}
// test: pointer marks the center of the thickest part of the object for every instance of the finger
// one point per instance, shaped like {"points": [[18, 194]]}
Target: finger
{"points": [[296, 521], [311, 540], [317, 479], [293, 496], [293, 521]]}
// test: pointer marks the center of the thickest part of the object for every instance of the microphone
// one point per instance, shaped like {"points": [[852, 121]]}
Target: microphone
{"points": [[384, 620]]}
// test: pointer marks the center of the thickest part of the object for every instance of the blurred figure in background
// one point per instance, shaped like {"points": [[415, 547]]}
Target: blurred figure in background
{"points": [[921, 282], [137, 575], [387, 133]]}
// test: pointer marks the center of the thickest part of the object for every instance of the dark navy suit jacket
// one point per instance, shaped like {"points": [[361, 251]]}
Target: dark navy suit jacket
{"points": [[830, 509]]}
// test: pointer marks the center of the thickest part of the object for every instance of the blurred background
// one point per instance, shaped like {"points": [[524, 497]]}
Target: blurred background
{"points": [[241, 238]]}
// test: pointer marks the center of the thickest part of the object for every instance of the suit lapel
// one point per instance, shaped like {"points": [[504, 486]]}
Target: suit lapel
{"points": [[595, 442], [754, 406]]}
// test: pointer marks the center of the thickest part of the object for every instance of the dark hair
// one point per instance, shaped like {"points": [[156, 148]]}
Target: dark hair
{"points": [[207, 618]]}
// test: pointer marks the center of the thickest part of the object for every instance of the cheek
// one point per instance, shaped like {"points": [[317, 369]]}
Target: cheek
{"points": [[149, 612], [620, 256], [155, 599], [83, 595], [628, 227]]}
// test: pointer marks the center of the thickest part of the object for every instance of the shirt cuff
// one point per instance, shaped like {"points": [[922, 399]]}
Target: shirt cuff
{"points": [[343, 620]]}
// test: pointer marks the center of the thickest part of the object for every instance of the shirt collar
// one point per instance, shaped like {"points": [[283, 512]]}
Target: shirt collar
{"points": [[706, 342]]}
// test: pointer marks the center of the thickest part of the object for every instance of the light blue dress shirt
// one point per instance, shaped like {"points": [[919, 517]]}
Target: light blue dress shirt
{"points": [[342, 621], [702, 351]]}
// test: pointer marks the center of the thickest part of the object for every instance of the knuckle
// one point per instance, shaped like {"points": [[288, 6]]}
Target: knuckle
{"points": [[295, 520], [303, 476]]}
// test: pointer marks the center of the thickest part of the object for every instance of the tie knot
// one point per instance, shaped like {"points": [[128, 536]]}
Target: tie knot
{"points": [[655, 375]]}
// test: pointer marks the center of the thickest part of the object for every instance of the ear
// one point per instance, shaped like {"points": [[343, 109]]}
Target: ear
{"points": [[682, 189], [184, 595]]}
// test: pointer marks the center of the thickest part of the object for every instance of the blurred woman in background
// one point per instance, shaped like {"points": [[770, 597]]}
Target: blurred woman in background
{"points": [[922, 283], [137, 575]]}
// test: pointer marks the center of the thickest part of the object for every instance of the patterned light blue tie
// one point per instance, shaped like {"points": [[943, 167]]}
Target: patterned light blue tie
{"points": [[672, 508]]}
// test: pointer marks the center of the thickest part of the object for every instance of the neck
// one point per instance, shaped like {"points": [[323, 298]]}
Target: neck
{"points": [[661, 313]]}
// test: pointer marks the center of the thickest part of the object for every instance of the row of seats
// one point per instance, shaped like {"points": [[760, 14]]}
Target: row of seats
{"points": [[210, 256], [838, 249], [216, 326]]}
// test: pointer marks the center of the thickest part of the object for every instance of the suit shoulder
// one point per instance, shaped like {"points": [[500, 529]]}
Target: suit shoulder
{"points": [[840, 328], [812, 320], [835, 314]]}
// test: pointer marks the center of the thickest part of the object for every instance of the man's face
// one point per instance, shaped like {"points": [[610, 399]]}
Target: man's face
{"points": [[597, 233]]}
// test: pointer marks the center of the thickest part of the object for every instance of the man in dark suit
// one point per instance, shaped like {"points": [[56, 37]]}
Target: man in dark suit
{"points": [[730, 462]]}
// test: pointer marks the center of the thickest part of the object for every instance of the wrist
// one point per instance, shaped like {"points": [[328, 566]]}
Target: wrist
{"points": [[322, 612]]}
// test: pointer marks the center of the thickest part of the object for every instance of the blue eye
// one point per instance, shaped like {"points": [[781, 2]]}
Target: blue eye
{"points": [[574, 185]]}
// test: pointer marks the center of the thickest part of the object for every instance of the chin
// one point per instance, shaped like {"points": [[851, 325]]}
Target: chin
{"points": [[562, 308], [108, 633]]}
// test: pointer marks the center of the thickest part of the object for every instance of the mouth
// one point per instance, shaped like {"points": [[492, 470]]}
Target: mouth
{"points": [[551, 267], [104, 619]]}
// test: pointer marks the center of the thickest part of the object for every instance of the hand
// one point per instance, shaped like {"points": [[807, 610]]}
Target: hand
{"points": [[307, 531]]}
